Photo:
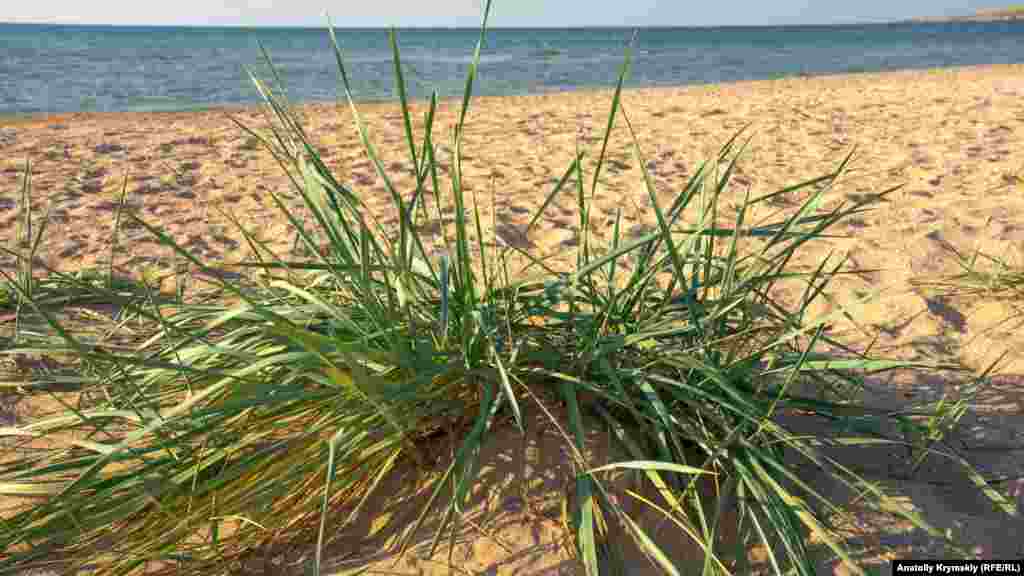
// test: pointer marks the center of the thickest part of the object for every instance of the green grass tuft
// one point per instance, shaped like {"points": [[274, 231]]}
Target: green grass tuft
{"points": [[286, 401]]}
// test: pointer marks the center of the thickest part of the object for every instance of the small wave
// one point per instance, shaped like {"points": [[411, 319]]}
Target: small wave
{"points": [[545, 53]]}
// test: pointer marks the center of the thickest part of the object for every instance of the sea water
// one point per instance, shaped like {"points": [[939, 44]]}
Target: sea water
{"points": [[70, 68]]}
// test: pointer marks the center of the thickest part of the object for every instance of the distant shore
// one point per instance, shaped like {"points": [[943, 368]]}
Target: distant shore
{"points": [[991, 15]]}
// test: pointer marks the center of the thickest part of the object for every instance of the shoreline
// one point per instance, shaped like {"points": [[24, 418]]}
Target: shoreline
{"points": [[12, 118], [990, 15], [959, 19]]}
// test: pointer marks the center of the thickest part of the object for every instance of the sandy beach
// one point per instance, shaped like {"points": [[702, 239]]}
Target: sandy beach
{"points": [[953, 138], [950, 137]]}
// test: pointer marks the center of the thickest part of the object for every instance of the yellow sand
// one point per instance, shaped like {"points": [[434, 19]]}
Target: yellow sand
{"points": [[952, 138]]}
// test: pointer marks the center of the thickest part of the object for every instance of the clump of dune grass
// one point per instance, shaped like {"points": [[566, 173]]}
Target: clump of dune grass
{"points": [[981, 275], [289, 399]]}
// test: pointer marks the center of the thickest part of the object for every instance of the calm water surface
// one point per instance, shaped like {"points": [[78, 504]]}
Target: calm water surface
{"points": [[53, 68]]}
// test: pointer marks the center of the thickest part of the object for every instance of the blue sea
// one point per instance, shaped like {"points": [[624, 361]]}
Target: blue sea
{"points": [[64, 68]]}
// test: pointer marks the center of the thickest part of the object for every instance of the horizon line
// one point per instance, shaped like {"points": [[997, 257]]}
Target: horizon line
{"points": [[912, 20], [922, 19]]}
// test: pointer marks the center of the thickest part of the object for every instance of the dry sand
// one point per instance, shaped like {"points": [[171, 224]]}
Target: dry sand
{"points": [[952, 137]]}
